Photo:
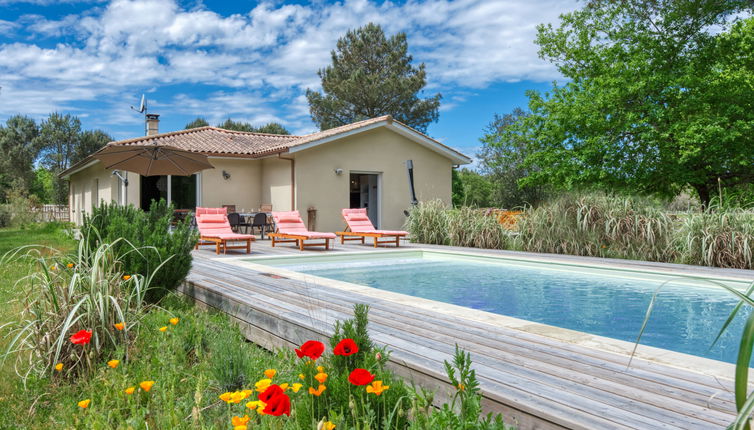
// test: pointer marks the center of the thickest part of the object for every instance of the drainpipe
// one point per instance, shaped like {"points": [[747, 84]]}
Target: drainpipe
{"points": [[293, 180]]}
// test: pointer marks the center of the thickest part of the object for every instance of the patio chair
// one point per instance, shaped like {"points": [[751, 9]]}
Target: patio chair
{"points": [[259, 221], [291, 229], [214, 228], [234, 220], [359, 227]]}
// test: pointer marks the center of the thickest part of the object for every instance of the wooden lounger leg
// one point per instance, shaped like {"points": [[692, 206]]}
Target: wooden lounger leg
{"points": [[300, 244], [397, 241], [363, 240], [248, 246], [327, 244], [342, 239], [217, 247], [225, 247], [273, 241], [375, 242]]}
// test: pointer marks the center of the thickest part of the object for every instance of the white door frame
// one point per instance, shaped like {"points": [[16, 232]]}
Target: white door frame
{"points": [[379, 190]]}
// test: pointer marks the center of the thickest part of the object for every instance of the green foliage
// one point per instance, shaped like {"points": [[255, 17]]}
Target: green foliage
{"points": [[356, 330], [654, 102], [152, 234], [269, 128], [22, 208], [198, 122], [371, 75], [17, 144], [465, 409], [472, 189], [505, 148], [231, 368], [43, 185], [68, 293], [90, 141]]}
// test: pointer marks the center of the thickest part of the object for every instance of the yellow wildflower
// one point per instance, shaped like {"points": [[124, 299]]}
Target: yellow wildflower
{"points": [[295, 387], [53, 267], [461, 387], [174, 321], [146, 385], [284, 386], [241, 427], [126, 277], [320, 369], [59, 367], [129, 390], [164, 329], [225, 397], [301, 376], [321, 377], [248, 393], [377, 388], [328, 425], [237, 396], [270, 373], [84, 403], [257, 405], [262, 384], [113, 363]]}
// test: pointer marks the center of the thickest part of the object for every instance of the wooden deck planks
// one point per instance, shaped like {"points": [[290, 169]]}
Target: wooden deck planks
{"points": [[540, 378]]}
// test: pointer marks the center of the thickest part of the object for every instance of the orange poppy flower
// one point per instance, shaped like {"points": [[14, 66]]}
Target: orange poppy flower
{"points": [[318, 392], [174, 321], [377, 388], [113, 363], [84, 403], [59, 367], [126, 277], [321, 377], [129, 390], [270, 373], [119, 326], [164, 329], [239, 421], [146, 385]]}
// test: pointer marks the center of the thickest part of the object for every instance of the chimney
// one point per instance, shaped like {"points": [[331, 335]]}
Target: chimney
{"points": [[153, 124]]}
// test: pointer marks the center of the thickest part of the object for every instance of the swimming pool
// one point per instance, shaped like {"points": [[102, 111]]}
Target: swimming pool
{"points": [[607, 302]]}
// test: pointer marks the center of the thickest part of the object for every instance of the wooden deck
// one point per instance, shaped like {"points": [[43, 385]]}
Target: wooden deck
{"points": [[536, 381]]}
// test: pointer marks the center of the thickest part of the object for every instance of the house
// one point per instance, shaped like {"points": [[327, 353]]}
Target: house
{"points": [[364, 164]]}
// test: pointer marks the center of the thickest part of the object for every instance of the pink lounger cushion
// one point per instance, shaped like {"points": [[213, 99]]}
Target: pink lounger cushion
{"points": [[358, 221], [289, 222], [213, 223]]}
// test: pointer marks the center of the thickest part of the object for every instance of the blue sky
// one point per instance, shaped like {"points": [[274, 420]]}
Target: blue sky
{"points": [[253, 60]]}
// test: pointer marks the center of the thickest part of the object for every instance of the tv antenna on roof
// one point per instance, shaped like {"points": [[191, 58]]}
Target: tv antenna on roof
{"points": [[142, 106]]}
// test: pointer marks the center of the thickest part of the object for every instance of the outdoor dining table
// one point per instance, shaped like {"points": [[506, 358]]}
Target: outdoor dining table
{"points": [[248, 217]]}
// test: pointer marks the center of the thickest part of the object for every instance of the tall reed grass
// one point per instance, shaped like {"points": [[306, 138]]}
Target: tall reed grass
{"points": [[599, 225], [63, 294]]}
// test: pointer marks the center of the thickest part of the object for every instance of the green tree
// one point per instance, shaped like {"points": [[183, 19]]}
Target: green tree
{"points": [[58, 138], [476, 190], [198, 122], [371, 75], [19, 150], [658, 98], [505, 147], [270, 128], [90, 141]]}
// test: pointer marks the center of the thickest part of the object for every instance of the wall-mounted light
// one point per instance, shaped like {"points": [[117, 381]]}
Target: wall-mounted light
{"points": [[338, 172], [226, 175]]}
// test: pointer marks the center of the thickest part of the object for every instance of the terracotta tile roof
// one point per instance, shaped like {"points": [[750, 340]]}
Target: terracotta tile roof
{"points": [[215, 141]]}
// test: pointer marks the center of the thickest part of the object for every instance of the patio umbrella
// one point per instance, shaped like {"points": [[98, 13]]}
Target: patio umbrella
{"points": [[152, 160]]}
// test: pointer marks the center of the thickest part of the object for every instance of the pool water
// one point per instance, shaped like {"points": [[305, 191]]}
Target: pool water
{"points": [[686, 318]]}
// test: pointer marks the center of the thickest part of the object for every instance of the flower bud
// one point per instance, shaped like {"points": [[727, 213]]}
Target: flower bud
{"points": [[378, 356]]}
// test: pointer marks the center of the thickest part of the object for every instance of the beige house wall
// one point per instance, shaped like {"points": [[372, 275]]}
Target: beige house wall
{"points": [[88, 188], [276, 183], [243, 188], [376, 151]]}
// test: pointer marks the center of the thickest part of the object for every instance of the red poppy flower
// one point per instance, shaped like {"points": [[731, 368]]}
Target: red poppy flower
{"points": [[360, 377], [82, 337], [346, 347], [278, 405], [312, 349], [271, 392]]}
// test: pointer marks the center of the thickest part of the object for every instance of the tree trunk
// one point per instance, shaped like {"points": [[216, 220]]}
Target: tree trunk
{"points": [[703, 190]]}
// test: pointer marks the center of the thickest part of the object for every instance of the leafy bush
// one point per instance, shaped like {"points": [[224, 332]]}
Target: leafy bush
{"points": [[5, 215], [22, 209], [150, 232], [87, 292]]}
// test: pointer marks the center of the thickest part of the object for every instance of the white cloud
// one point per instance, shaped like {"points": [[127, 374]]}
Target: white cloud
{"points": [[274, 49]]}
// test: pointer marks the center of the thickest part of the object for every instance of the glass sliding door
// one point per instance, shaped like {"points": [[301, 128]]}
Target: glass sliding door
{"points": [[180, 190]]}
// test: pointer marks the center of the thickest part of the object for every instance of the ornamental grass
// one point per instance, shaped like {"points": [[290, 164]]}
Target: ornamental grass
{"points": [[75, 309]]}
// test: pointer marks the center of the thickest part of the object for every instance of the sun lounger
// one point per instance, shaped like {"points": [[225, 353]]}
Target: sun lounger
{"points": [[290, 228], [214, 228], [359, 227]]}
